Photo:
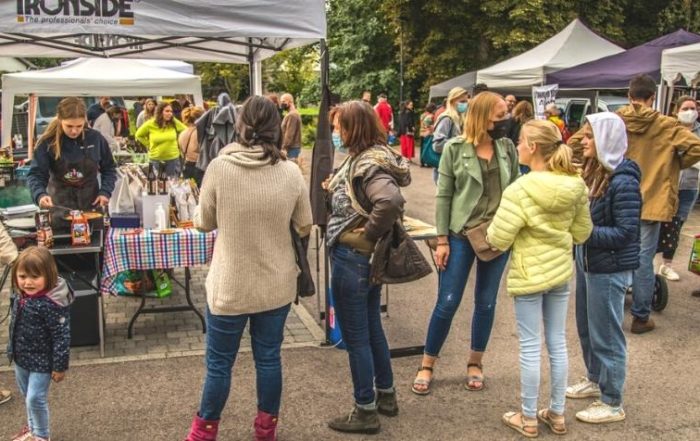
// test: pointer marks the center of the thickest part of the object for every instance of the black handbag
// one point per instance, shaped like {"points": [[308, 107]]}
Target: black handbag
{"points": [[397, 259], [305, 283]]}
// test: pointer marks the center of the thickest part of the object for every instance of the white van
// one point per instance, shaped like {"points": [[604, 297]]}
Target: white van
{"points": [[575, 109]]}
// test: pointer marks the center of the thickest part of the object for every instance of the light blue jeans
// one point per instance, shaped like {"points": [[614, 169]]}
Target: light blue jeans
{"points": [[600, 310], [643, 285], [547, 307], [34, 386]]}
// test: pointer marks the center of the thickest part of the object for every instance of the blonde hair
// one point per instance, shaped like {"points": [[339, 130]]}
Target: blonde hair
{"points": [[479, 116], [191, 114], [547, 137], [68, 108], [451, 104]]}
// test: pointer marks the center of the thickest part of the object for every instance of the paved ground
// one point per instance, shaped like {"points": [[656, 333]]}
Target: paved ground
{"points": [[155, 399]]}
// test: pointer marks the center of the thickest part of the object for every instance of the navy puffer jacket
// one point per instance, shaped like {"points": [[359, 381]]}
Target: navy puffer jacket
{"points": [[614, 244]]}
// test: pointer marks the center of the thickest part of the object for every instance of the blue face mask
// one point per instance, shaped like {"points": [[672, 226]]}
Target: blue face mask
{"points": [[462, 107], [338, 142]]}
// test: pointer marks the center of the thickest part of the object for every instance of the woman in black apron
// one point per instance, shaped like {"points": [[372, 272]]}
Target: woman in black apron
{"points": [[72, 165]]}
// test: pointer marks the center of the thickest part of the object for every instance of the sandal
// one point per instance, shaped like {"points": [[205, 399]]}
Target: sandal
{"points": [[526, 427], [554, 421], [422, 381], [475, 378]]}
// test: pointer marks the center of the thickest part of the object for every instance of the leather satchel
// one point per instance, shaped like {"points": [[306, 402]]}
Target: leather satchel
{"points": [[305, 282], [477, 238], [397, 259]]}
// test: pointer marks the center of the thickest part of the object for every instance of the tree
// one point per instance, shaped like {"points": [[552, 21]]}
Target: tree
{"points": [[292, 71], [224, 77], [683, 14]]}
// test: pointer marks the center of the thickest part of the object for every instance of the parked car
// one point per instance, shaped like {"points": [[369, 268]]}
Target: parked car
{"points": [[575, 109]]}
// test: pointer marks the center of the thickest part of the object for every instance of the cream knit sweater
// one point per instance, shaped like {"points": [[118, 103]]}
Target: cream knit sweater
{"points": [[251, 204]]}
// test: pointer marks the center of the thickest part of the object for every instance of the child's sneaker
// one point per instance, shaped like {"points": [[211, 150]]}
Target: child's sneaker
{"points": [[585, 388], [22, 435], [599, 413], [5, 396]]}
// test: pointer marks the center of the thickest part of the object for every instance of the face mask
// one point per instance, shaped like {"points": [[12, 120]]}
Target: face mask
{"points": [[499, 129], [284, 106], [338, 142], [462, 107], [688, 116]]}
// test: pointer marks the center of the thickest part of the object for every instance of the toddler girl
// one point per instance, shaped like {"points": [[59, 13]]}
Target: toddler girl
{"points": [[39, 341]]}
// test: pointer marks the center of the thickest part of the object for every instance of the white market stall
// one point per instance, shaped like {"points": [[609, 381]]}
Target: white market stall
{"points": [[575, 44], [681, 63], [231, 31], [96, 77]]}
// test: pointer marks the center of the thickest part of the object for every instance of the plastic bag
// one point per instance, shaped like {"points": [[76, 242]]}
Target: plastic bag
{"points": [[151, 283], [122, 200], [694, 264]]}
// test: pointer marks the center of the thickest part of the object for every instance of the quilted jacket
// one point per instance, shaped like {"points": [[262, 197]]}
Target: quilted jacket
{"points": [[40, 330], [542, 215]]}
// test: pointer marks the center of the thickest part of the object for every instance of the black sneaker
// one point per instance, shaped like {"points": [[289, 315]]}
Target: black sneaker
{"points": [[359, 421], [386, 403]]}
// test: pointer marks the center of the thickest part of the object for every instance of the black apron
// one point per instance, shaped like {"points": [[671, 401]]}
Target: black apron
{"points": [[73, 185]]}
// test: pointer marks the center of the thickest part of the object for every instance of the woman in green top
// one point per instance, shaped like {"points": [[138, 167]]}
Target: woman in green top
{"points": [[474, 170], [160, 135]]}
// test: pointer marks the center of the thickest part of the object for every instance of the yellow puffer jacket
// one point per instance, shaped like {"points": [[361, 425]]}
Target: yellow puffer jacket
{"points": [[542, 215]]}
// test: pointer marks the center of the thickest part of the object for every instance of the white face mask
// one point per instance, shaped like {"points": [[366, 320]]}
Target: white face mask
{"points": [[688, 116]]}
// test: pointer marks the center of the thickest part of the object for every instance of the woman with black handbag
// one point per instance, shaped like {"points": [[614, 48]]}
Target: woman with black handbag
{"points": [[366, 203]]}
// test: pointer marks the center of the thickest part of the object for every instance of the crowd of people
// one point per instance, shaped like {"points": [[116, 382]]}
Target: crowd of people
{"points": [[531, 205]]}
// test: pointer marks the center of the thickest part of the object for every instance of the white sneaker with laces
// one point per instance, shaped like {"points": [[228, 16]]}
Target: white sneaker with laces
{"points": [[585, 388], [668, 273], [599, 413]]}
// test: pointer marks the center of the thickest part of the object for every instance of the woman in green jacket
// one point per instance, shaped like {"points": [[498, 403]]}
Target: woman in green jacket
{"points": [[474, 170], [160, 135]]}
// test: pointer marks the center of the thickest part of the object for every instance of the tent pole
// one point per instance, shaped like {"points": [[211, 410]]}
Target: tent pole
{"points": [[251, 68]]}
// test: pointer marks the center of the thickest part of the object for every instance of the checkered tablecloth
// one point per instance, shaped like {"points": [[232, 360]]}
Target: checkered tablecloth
{"points": [[149, 250]]}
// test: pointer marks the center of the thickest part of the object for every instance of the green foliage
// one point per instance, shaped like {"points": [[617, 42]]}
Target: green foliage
{"points": [[293, 71], [224, 77], [683, 14]]}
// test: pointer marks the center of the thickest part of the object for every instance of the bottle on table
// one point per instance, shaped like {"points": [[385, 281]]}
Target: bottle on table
{"points": [[162, 181], [152, 180], [160, 217]]}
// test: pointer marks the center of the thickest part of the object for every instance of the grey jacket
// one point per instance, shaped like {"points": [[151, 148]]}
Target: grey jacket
{"points": [[689, 176], [445, 129]]}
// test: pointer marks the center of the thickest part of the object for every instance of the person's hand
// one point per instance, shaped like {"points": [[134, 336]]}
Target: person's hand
{"points": [[58, 376], [324, 184], [442, 253], [100, 201], [46, 202], [359, 230]]}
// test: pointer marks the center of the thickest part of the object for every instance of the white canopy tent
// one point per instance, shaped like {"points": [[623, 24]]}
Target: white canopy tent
{"points": [[96, 77], [681, 63], [465, 81], [227, 31], [175, 65], [575, 44], [9, 64]]}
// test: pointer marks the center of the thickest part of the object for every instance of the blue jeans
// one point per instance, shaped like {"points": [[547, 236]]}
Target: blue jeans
{"points": [[293, 152], [600, 310], [357, 305], [223, 340], [530, 311], [686, 202], [643, 285], [34, 386], [172, 167], [452, 282]]}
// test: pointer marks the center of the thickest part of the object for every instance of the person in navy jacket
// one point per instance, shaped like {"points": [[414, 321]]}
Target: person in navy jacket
{"points": [[605, 266]]}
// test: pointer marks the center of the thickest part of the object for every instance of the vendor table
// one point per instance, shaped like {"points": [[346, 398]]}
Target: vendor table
{"points": [[145, 249]]}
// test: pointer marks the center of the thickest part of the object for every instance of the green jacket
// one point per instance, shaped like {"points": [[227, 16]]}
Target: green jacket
{"points": [[162, 143], [460, 186]]}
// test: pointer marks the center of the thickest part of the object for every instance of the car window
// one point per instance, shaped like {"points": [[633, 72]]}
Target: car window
{"points": [[48, 105], [614, 107], [575, 115]]}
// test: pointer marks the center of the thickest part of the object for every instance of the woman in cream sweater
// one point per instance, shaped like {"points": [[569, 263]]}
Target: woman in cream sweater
{"points": [[542, 215], [250, 194]]}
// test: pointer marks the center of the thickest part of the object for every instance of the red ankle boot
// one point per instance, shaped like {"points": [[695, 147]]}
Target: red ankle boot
{"points": [[203, 430], [265, 427]]}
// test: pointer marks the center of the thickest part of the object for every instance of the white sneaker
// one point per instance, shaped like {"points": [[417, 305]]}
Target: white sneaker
{"points": [[669, 273], [585, 388], [599, 413]]}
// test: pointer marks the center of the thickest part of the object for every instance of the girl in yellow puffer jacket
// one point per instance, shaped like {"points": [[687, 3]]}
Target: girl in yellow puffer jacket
{"points": [[542, 215]]}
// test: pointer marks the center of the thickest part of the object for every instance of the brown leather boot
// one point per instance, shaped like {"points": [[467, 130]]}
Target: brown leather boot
{"points": [[640, 326]]}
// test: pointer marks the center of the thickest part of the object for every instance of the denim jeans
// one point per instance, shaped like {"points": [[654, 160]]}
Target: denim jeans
{"points": [[600, 310], [643, 285], [223, 340], [530, 311], [172, 167], [357, 305], [34, 387], [452, 282], [686, 202]]}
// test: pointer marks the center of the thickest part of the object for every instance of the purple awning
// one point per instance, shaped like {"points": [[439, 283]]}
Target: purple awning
{"points": [[616, 71]]}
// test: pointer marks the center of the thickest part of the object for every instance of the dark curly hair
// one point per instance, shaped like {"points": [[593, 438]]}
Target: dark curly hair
{"points": [[259, 124]]}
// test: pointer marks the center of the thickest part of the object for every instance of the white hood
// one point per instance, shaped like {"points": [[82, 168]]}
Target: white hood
{"points": [[610, 136]]}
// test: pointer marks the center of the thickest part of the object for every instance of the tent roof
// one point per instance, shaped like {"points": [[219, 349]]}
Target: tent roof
{"points": [[681, 62], [98, 76], [9, 64], [575, 44], [233, 31], [615, 72], [466, 81], [175, 65]]}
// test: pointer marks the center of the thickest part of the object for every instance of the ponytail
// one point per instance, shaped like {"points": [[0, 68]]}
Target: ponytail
{"points": [[562, 160]]}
